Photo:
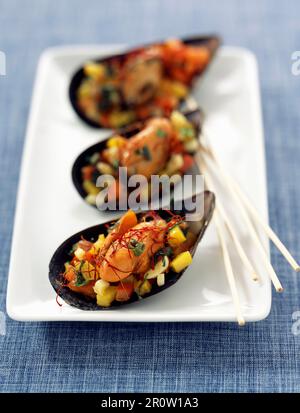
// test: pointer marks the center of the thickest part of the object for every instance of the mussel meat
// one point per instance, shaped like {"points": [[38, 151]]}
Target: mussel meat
{"points": [[150, 80], [135, 257], [161, 146]]}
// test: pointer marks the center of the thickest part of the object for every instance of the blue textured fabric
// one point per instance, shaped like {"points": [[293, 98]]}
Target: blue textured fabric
{"points": [[157, 357]]}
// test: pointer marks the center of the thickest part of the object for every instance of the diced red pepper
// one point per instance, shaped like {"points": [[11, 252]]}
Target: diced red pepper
{"points": [[188, 162], [88, 256], [86, 289], [87, 172], [70, 274], [177, 147], [124, 291]]}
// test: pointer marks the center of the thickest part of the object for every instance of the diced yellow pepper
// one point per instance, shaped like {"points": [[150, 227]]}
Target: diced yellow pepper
{"points": [[142, 287], [117, 141], [100, 287], [95, 70], [174, 164], [174, 88], [136, 284], [77, 265], [178, 120], [112, 154], [88, 271], [179, 89], [92, 250], [191, 145], [104, 168], [176, 236], [107, 297], [99, 243], [90, 188], [182, 261], [118, 119], [84, 90], [67, 265]]}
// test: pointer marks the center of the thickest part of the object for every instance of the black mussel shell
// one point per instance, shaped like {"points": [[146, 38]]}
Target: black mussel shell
{"points": [[195, 117], [61, 255], [212, 42]]}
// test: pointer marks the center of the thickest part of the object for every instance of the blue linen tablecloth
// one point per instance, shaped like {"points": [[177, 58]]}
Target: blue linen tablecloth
{"points": [[81, 357]]}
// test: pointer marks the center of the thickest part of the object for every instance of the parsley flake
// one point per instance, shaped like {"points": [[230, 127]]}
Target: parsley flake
{"points": [[145, 152], [137, 247], [115, 164], [80, 280], [161, 133], [186, 132]]}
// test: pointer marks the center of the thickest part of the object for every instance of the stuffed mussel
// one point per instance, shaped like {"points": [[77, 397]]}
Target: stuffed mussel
{"points": [[147, 81], [135, 257], [159, 146]]}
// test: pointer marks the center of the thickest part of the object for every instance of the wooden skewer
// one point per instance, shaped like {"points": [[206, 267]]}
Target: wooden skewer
{"points": [[254, 235], [271, 234], [229, 271], [234, 236], [268, 230]]}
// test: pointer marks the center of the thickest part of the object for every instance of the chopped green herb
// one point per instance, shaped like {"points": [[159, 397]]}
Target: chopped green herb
{"points": [[109, 97], [145, 152], [115, 164], [161, 133], [80, 280], [166, 251], [137, 247], [186, 132]]}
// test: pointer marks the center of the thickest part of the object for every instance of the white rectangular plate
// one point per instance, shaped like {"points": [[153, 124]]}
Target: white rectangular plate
{"points": [[49, 210]]}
